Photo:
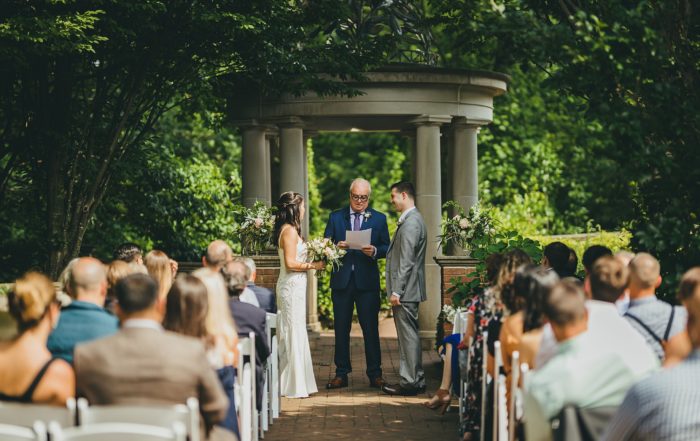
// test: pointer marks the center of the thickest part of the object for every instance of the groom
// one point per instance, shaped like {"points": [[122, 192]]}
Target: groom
{"points": [[356, 283], [405, 286]]}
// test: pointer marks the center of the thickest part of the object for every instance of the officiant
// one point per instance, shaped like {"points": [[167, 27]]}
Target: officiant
{"points": [[356, 283]]}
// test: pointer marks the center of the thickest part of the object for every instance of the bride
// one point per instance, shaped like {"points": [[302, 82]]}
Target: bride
{"points": [[296, 370]]}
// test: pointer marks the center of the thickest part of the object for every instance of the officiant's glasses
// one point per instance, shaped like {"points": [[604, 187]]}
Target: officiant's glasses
{"points": [[359, 197]]}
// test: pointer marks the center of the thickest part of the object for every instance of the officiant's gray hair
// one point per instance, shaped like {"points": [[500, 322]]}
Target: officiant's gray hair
{"points": [[361, 181]]}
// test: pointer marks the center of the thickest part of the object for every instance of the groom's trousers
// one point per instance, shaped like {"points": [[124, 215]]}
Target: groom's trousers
{"points": [[410, 354], [367, 303]]}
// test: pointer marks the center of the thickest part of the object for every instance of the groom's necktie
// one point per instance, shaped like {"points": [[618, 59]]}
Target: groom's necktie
{"points": [[357, 222]]}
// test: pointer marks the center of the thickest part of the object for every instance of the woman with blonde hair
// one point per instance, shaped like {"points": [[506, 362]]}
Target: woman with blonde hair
{"points": [[28, 373], [158, 265], [187, 308], [219, 322]]}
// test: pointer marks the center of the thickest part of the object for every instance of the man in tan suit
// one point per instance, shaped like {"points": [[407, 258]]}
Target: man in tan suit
{"points": [[143, 364]]}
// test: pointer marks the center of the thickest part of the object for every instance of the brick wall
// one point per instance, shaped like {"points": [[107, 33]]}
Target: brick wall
{"points": [[268, 269], [452, 267]]}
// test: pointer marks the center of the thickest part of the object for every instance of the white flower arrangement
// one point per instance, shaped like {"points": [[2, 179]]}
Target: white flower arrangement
{"points": [[449, 312], [463, 228], [326, 251], [256, 226]]}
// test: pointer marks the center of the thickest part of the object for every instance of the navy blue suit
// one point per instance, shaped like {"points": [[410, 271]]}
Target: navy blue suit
{"points": [[356, 284]]}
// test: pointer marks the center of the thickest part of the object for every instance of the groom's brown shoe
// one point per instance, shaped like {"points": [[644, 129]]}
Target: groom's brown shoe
{"points": [[337, 383]]}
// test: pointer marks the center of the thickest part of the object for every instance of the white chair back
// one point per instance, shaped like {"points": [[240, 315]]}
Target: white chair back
{"points": [[484, 381], [26, 414], [275, 391], [514, 380], [10, 432], [161, 416], [118, 432], [502, 409], [498, 358], [246, 347], [246, 405]]}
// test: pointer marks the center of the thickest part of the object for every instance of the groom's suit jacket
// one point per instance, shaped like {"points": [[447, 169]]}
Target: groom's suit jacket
{"points": [[366, 269], [405, 259]]}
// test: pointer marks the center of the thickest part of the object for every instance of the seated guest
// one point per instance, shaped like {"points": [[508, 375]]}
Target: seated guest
{"points": [[623, 303], [186, 312], [607, 281], [584, 373], [85, 318], [664, 406], [247, 296], [266, 298], [248, 318], [28, 373], [219, 321], [571, 265], [556, 258], [533, 283], [158, 266], [592, 253], [143, 363], [661, 324], [129, 252], [218, 253]]}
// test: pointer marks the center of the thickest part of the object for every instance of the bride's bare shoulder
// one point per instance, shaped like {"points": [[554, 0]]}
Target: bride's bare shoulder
{"points": [[288, 233]]}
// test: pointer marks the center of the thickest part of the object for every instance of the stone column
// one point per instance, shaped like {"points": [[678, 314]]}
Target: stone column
{"points": [[256, 163], [269, 135], [429, 202], [464, 165], [292, 168], [312, 323]]}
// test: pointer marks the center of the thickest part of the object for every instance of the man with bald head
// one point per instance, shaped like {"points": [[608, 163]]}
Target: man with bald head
{"points": [[85, 318], [217, 255], [356, 283], [661, 324]]}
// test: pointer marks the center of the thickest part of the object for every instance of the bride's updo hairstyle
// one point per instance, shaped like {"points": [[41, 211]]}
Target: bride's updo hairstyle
{"points": [[288, 212], [29, 300]]}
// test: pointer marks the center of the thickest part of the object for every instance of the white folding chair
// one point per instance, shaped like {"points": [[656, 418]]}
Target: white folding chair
{"points": [[157, 415], [246, 405], [246, 347], [498, 358], [270, 379], [25, 415], [118, 432], [514, 380], [462, 329], [484, 383], [502, 409], [11, 432], [275, 391]]}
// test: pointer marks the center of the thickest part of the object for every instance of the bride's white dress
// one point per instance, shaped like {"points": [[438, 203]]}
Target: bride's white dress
{"points": [[296, 369]]}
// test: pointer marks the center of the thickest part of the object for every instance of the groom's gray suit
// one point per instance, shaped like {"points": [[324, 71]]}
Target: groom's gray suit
{"points": [[405, 276]]}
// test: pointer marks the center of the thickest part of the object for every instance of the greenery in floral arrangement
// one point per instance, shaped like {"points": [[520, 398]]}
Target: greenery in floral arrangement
{"points": [[482, 247], [464, 229], [256, 226]]}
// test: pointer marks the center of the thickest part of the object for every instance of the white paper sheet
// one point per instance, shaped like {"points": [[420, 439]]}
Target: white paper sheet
{"points": [[358, 239]]}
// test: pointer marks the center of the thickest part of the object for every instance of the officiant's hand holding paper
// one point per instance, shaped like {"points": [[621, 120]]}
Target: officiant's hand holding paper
{"points": [[358, 239]]}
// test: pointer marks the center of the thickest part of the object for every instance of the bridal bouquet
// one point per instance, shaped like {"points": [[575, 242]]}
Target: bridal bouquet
{"points": [[256, 226], [326, 251], [463, 228]]}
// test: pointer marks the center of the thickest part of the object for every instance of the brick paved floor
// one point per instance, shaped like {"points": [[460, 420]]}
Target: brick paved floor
{"points": [[360, 412]]}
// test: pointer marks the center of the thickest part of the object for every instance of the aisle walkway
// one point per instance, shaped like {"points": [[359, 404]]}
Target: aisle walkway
{"points": [[360, 412]]}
